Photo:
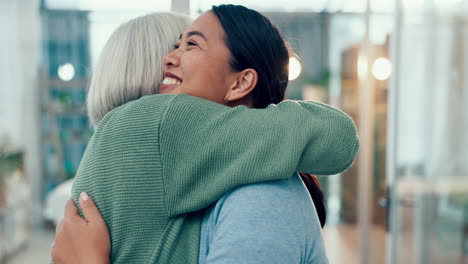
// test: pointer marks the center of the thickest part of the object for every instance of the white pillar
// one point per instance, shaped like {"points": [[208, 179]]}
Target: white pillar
{"points": [[11, 84], [366, 153], [29, 27], [19, 94]]}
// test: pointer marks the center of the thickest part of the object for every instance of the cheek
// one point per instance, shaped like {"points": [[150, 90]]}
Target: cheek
{"points": [[216, 77], [204, 77]]}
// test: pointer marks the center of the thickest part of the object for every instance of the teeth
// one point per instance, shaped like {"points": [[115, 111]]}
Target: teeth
{"points": [[169, 80]]}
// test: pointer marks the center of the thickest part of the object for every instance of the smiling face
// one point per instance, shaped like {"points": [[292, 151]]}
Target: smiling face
{"points": [[199, 66]]}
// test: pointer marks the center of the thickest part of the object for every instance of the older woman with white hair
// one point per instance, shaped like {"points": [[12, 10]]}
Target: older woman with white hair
{"points": [[130, 65], [154, 164]]}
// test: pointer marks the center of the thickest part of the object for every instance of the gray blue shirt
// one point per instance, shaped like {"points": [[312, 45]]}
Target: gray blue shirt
{"points": [[271, 222]]}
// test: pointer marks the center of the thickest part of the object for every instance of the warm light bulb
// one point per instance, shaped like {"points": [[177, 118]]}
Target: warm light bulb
{"points": [[382, 69]]}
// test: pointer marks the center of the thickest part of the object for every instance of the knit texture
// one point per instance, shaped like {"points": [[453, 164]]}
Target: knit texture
{"points": [[153, 163]]}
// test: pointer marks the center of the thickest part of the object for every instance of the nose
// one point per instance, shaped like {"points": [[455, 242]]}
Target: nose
{"points": [[172, 59]]}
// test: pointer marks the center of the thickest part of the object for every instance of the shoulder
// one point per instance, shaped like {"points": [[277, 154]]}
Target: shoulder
{"points": [[283, 202], [268, 197], [149, 103], [274, 220], [145, 110]]}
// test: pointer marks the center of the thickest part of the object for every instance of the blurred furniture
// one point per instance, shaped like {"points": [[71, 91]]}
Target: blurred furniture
{"points": [[14, 204], [434, 214], [64, 78], [56, 200], [350, 101], [65, 129]]}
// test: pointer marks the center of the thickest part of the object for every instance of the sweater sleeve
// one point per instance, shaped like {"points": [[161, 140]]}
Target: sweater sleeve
{"points": [[208, 149]]}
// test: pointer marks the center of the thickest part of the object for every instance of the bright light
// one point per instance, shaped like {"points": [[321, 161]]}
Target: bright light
{"points": [[413, 4], [66, 72], [447, 3], [382, 69], [295, 68]]}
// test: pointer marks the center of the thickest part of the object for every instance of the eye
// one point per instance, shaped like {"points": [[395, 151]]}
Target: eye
{"points": [[191, 44], [176, 45]]}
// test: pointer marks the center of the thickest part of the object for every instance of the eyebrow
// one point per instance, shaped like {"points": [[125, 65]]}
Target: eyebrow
{"points": [[195, 33]]}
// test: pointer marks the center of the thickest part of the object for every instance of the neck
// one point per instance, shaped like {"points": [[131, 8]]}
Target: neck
{"points": [[244, 101]]}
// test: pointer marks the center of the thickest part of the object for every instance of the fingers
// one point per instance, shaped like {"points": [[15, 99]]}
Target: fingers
{"points": [[58, 228], [53, 254], [90, 211], [53, 249], [71, 211]]}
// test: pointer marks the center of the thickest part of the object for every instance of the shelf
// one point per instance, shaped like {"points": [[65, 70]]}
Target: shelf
{"points": [[70, 85], [73, 110]]}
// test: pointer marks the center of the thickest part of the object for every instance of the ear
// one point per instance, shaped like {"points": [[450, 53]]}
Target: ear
{"points": [[245, 82]]}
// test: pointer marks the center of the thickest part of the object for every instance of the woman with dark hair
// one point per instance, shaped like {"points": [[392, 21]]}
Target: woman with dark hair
{"points": [[154, 163], [245, 225], [273, 71]]}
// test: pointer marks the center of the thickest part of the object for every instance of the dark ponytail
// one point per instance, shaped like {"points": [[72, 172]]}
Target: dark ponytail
{"points": [[315, 190], [254, 42]]}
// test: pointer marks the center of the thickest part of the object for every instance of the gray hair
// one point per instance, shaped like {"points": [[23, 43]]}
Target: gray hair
{"points": [[131, 63]]}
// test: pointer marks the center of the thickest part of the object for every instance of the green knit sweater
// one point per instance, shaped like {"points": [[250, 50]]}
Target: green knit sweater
{"points": [[154, 162]]}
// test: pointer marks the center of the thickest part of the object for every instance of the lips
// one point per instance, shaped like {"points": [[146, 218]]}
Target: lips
{"points": [[170, 81]]}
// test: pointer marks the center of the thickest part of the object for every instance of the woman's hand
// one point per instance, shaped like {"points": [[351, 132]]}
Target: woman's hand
{"points": [[79, 240]]}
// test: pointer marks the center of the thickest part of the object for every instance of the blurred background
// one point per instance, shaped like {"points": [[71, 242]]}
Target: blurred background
{"points": [[397, 67]]}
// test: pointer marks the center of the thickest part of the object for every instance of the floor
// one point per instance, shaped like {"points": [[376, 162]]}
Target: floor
{"points": [[38, 249], [342, 245], [340, 241]]}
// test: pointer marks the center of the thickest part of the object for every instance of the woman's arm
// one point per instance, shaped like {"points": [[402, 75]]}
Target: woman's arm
{"points": [[81, 241], [208, 149]]}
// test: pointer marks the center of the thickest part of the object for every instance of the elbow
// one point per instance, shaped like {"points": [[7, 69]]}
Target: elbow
{"points": [[352, 154], [345, 144], [349, 144], [334, 147]]}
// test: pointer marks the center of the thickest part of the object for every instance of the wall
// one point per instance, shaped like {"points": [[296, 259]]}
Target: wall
{"points": [[19, 50]]}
